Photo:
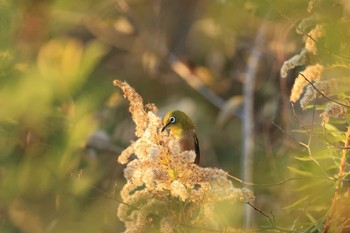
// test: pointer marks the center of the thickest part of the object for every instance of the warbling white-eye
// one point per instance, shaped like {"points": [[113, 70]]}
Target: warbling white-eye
{"points": [[181, 127]]}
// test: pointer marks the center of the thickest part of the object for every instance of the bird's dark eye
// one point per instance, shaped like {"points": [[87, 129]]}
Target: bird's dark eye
{"points": [[172, 120]]}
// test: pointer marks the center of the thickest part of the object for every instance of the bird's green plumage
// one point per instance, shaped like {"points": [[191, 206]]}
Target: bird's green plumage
{"points": [[181, 124], [182, 128]]}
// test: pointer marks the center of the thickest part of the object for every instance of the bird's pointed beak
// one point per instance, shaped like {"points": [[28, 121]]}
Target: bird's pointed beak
{"points": [[165, 126]]}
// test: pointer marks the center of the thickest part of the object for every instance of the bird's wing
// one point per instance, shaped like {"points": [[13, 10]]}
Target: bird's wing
{"points": [[196, 148]]}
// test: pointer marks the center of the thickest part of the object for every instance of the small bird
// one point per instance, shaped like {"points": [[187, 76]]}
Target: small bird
{"points": [[182, 129]]}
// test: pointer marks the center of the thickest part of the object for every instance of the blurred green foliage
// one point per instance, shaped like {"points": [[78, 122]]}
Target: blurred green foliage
{"points": [[46, 119], [44, 130]]}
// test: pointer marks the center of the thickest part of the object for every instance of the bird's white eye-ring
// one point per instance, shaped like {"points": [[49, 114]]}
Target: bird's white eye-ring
{"points": [[172, 120]]}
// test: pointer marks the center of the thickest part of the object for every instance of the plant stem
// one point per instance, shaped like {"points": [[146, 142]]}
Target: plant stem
{"points": [[339, 185]]}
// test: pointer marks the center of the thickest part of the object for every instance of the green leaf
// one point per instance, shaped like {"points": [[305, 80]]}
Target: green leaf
{"points": [[297, 203], [305, 159], [318, 226], [308, 158], [300, 172], [313, 184], [299, 131], [334, 131], [310, 217]]}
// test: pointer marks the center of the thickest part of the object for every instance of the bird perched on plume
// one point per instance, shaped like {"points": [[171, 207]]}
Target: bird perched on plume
{"points": [[181, 127]]}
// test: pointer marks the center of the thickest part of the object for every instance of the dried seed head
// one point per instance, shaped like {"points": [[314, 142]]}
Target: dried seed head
{"points": [[333, 110], [312, 73], [160, 174]]}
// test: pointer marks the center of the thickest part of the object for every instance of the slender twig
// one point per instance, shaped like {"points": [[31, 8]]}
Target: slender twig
{"points": [[307, 146], [288, 135], [271, 219], [279, 182], [321, 92], [261, 212], [310, 137]]}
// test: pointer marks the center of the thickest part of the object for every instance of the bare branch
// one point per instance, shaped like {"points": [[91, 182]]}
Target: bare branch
{"points": [[290, 136], [261, 212], [193, 81]]}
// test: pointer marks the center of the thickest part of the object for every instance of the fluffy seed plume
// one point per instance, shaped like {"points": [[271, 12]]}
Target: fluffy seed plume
{"points": [[305, 25], [315, 33], [326, 87], [333, 110], [312, 73], [136, 108], [312, 4], [160, 178], [296, 60]]}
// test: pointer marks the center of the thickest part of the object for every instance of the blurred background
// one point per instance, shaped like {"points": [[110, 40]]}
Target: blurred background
{"points": [[63, 124]]}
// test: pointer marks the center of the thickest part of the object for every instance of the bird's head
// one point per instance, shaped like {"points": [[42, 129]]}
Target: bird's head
{"points": [[177, 122]]}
